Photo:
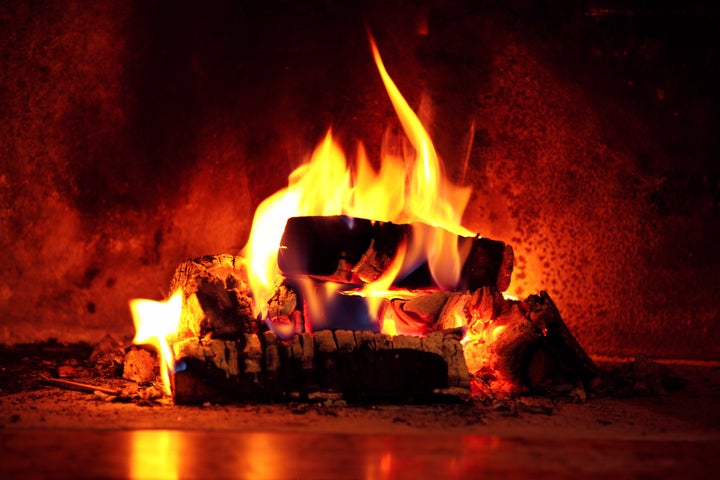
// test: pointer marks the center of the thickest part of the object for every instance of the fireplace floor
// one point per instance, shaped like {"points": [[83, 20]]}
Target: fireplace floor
{"points": [[46, 431]]}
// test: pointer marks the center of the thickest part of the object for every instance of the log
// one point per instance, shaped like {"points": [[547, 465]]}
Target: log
{"points": [[412, 312], [535, 348], [558, 341], [509, 353], [217, 299], [355, 250], [358, 365], [432, 311], [284, 312], [217, 303]]}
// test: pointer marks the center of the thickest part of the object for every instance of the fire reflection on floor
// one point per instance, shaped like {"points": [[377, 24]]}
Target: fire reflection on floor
{"points": [[171, 454]]}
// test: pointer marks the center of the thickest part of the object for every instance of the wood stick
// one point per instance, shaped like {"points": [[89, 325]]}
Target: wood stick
{"points": [[79, 386]]}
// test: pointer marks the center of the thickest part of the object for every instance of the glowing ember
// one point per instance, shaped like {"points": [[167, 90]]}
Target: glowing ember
{"points": [[156, 323]]}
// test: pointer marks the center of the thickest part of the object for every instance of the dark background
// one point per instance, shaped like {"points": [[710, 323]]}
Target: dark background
{"points": [[135, 134]]}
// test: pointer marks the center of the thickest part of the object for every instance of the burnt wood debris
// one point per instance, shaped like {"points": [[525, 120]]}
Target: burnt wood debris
{"points": [[226, 353]]}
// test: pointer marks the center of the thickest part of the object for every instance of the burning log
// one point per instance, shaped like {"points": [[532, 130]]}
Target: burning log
{"points": [[523, 343], [359, 365], [216, 297], [356, 250], [532, 347], [217, 300], [421, 313], [284, 312]]}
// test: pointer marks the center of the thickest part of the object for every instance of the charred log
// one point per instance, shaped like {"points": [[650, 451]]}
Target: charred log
{"points": [[534, 349], [356, 250], [359, 365], [284, 310], [557, 339]]}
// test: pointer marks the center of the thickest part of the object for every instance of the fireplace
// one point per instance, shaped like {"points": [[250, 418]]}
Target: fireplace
{"points": [[139, 135]]}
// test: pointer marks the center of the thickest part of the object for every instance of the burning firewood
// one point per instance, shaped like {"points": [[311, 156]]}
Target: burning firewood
{"points": [[424, 312], [284, 309], [530, 347], [523, 344], [357, 364], [557, 338], [356, 250]]}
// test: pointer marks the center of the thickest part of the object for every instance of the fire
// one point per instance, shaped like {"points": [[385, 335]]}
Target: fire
{"points": [[408, 189], [155, 324]]}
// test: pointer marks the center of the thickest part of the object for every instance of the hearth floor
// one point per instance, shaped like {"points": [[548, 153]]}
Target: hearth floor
{"points": [[48, 432]]}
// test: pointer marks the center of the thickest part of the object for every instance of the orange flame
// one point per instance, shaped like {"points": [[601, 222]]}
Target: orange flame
{"points": [[373, 291], [410, 189], [320, 187], [155, 324], [431, 198]]}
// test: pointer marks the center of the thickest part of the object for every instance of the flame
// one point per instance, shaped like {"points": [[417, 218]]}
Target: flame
{"points": [[389, 324], [372, 291], [318, 297], [431, 199], [320, 187], [155, 324], [405, 189]]}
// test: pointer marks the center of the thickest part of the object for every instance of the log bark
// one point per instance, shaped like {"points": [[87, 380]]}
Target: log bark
{"points": [[216, 297], [359, 365], [356, 250]]}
